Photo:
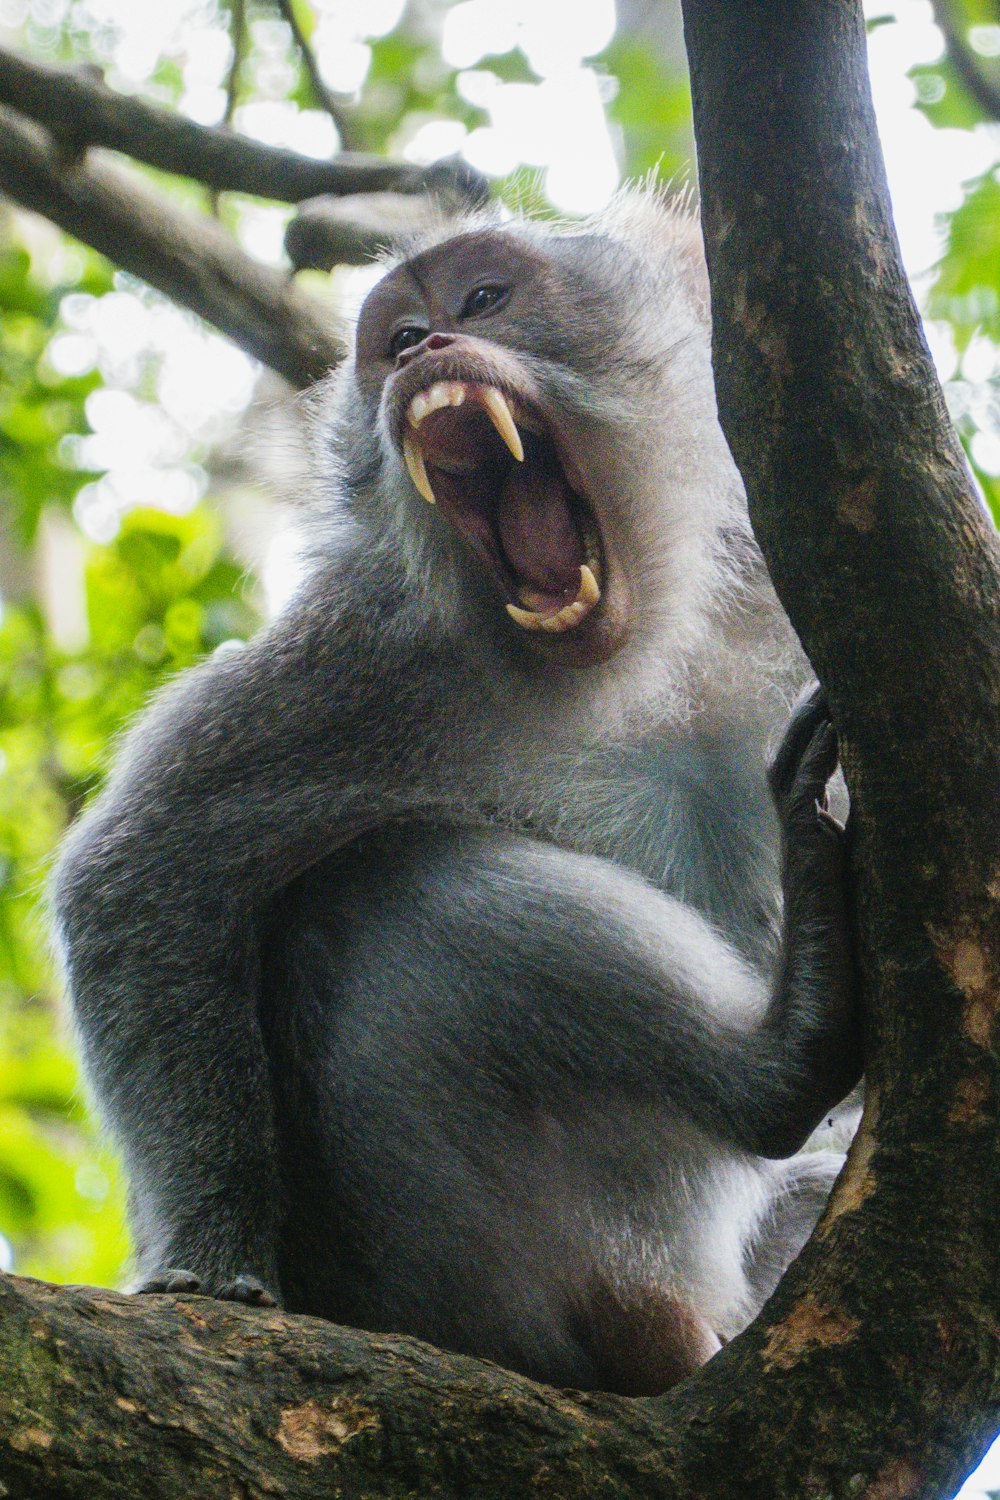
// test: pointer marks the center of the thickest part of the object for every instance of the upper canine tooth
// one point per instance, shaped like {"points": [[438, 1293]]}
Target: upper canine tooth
{"points": [[414, 458], [499, 414]]}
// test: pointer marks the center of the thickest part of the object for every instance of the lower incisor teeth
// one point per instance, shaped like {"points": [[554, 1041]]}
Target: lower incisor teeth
{"points": [[587, 596]]}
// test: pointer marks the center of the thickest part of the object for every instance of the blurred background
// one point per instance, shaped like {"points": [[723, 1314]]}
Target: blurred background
{"points": [[145, 461]]}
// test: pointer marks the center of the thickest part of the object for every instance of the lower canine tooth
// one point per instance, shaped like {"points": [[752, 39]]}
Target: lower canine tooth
{"points": [[589, 592], [414, 459], [564, 619]]}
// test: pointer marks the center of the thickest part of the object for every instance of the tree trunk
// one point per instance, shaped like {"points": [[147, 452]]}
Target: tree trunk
{"points": [[873, 1372]]}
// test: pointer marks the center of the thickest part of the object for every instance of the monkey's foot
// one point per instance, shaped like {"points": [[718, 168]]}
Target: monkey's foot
{"points": [[171, 1279], [246, 1289]]}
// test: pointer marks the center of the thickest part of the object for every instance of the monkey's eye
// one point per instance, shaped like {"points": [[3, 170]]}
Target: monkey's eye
{"points": [[484, 299], [406, 337]]}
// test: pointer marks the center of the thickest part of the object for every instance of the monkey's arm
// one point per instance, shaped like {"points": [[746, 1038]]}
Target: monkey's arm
{"points": [[507, 968], [756, 1067], [245, 771]]}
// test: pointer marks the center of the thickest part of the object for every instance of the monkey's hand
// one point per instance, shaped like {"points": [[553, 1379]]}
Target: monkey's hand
{"points": [[814, 1015], [241, 1289]]}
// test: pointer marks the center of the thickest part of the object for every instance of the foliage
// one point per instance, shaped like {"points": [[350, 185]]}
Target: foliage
{"points": [[157, 597], [965, 290]]}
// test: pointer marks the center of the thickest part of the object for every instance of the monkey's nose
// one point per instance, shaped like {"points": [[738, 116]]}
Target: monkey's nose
{"points": [[426, 346]]}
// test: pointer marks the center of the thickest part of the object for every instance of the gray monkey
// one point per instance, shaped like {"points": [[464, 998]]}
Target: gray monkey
{"points": [[442, 961]]}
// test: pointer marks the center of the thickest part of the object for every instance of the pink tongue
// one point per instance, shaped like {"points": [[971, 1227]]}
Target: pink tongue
{"points": [[541, 543]]}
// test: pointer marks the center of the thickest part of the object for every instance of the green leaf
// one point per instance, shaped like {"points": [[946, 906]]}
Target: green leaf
{"points": [[966, 285], [943, 97]]}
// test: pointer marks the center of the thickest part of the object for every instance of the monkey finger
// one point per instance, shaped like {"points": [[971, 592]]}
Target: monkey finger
{"points": [[809, 713]]}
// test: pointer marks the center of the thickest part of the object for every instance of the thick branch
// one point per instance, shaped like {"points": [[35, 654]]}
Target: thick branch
{"points": [[328, 232], [82, 112], [890, 571], [192, 260], [107, 1396]]}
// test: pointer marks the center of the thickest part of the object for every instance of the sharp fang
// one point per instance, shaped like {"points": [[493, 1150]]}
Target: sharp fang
{"points": [[413, 455], [588, 593], [498, 412]]}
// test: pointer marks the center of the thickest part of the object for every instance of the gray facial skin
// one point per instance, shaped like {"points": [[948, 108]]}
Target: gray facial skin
{"points": [[428, 959]]}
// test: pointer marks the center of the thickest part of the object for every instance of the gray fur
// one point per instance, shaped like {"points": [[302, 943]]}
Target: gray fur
{"points": [[423, 978]]}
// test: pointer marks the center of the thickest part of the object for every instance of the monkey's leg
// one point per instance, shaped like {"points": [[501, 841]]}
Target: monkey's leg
{"points": [[801, 1187], [521, 1089], [464, 1155]]}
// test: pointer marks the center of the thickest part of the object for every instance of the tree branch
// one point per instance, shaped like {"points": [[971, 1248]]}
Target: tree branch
{"points": [[80, 113], [189, 1399], [189, 259], [323, 96], [352, 231], [985, 90], [881, 1349], [238, 39]]}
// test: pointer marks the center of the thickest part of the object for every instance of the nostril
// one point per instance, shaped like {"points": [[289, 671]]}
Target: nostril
{"points": [[426, 346]]}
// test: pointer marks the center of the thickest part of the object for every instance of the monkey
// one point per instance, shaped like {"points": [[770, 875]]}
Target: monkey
{"points": [[445, 960]]}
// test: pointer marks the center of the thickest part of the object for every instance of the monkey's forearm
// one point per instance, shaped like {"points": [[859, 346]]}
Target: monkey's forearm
{"points": [[165, 999], [157, 898]]}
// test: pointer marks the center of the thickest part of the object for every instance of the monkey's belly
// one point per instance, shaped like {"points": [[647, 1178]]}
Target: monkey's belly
{"points": [[449, 1175]]}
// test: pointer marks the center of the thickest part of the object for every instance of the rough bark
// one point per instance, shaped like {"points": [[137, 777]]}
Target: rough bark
{"points": [[874, 1373], [889, 568]]}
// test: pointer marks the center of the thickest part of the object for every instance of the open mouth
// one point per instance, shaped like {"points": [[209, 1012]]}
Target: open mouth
{"points": [[493, 466]]}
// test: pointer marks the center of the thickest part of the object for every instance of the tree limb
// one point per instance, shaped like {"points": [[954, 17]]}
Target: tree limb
{"points": [[107, 1397], [984, 89], [238, 40], [323, 96], [352, 231], [881, 1350], [81, 112], [190, 259]]}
